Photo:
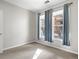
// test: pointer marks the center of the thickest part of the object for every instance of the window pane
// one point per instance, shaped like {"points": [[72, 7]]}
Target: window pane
{"points": [[58, 24], [42, 26]]}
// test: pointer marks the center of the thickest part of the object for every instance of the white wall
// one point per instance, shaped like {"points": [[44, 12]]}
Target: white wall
{"points": [[74, 25], [73, 32], [18, 26], [1, 30]]}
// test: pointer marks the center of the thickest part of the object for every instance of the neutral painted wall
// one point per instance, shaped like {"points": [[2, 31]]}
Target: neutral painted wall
{"points": [[18, 25], [1, 30], [74, 25], [73, 31]]}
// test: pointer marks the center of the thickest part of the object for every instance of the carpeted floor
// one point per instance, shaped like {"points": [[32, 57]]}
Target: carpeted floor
{"points": [[36, 51]]}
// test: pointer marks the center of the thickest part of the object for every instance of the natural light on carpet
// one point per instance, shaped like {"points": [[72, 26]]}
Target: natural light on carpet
{"points": [[37, 53]]}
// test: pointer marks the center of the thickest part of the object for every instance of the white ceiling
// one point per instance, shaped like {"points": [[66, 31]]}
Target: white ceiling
{"points": [[34, 5]]}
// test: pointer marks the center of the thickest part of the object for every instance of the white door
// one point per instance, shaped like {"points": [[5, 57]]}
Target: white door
{"points": [[1, 31]]}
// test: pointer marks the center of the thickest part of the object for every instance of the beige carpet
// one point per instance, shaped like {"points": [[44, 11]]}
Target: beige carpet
{"points": [[36, 51]]}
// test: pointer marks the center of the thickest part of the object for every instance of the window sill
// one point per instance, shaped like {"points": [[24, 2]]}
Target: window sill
{"points": [[57, 39]]}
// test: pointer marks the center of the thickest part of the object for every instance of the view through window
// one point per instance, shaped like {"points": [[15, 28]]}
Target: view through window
{"points": [[57, 25], [42, 26]]}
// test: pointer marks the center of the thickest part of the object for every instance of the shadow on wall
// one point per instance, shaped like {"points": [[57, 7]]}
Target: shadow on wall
{"points": [[31, 27]]}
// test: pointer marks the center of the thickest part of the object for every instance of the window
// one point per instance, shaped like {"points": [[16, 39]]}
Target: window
{"points": [[42, 26], [58, 24]]}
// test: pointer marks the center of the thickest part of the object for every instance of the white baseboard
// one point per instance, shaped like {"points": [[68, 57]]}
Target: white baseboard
{"points": [[14, 46], [17, 45], [70, 51], [40, 43]]}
